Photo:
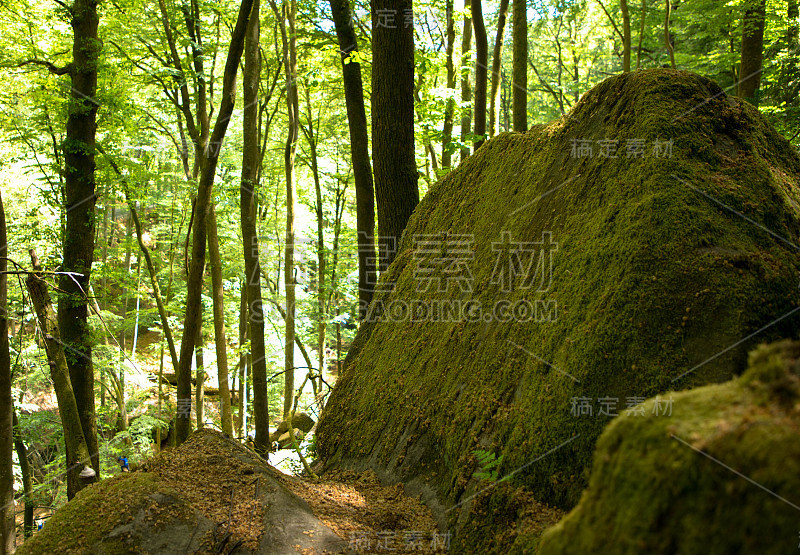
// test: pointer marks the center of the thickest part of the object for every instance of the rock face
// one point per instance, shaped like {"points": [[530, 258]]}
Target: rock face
{"points": [[556, 278], [211, 495], [720, 475]]}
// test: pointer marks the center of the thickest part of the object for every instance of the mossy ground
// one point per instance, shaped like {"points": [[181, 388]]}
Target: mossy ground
{"points": [[677, 485], [651, 278]]}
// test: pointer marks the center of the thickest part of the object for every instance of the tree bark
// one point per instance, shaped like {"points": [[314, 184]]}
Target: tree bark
{"points": [[626, 36], [27, 479], [79, 184], [393, 124], [497, 61], [220, 342], [200, 376], [481, 71], [7, 512], [78, 459], [519, 75], [359, 152], [251, 157], [752, 49], [450, 108], [667, 37], [466, 87], [208, 168]]}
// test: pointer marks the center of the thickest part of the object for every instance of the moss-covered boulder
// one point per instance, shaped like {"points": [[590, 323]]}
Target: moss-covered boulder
{"points": [[210, 495], [642, 243], [720, 475]]}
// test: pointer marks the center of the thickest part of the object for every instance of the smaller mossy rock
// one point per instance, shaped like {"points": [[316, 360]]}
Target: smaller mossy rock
{"points": [[210, 495], [301, 421], [720, 475]]}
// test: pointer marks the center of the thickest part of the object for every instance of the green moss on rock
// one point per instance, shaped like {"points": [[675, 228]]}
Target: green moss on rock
{"points": [[655, 281], [684, 484]]}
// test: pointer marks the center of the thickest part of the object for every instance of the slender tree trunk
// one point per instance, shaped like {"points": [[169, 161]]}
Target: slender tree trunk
{"points": [[641, 32], [79, 183], [466, 87], [322, 316], [208, 167], [243, 317], [752, 49], [791, 84], [286, 15], [667, 37], [481, 71], [27, 479], [626, 36], [393, 124], [359, 152], [7, 512], [497, 76], [519, 75], [450, 108], [251, 157], [220, 342], [78, 459], [200, 376]]}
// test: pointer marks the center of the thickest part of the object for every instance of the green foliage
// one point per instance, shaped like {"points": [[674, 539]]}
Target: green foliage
{"points": [[488, 464]]}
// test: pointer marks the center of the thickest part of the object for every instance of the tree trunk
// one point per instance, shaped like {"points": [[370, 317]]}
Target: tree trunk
{"points": [[393, 124], [667, 37], [359, 152], [78, 459], [752, 49], [27, 479], [200, 376], [450, 108], [220, 341], [79, 183], [466, 87], [791, 83], [626, 36], [519, 75], [208, 168], [322, 316], [243, 316], [252, 308], [481, 71], [497, 64], [641, 32], [7, 512]]}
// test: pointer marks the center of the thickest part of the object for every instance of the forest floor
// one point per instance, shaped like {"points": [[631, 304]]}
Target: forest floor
{"points": [[371, 517]]}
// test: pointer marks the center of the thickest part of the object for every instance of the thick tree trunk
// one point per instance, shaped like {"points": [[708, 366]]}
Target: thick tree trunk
{"points": [[243, 317], [79, 182], [359, 152], [78, 459], [497, 64], [393, 124], [208, 168], [450, 108], [626, 36], [253, 311], [220, 341], [481, 71], [752, 49], [466, 87], [7, 512], [519, 74]]}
